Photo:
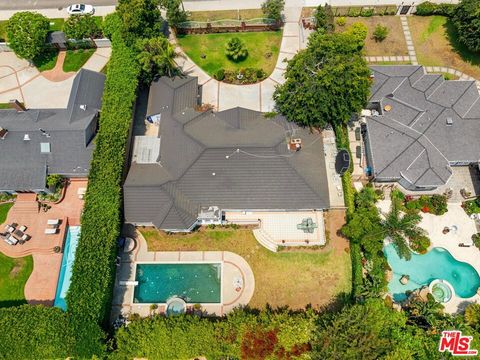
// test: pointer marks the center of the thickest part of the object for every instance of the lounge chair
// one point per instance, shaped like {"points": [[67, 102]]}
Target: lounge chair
{"points": [[11, 240], [53, 222], [50, 231], [26, 237], [22, 228], [9, 228]]}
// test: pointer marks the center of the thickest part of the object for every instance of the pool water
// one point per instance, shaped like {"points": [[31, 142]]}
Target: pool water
{"points": [[438, 263], [71, 243], [195, 283]]}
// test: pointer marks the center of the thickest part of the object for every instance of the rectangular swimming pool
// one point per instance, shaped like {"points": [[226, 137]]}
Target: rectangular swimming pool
{"points": [[71, 242], [195, 283]]}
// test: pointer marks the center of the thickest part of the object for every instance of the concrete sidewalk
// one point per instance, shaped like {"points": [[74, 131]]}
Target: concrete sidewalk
{"points": [[55, 13]]}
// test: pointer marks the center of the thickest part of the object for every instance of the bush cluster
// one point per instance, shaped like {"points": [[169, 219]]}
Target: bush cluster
{"points": [[435, 204], [248, 76], [472, 206], [428, 8], [380, 33], [89, 296], [419, 244]]}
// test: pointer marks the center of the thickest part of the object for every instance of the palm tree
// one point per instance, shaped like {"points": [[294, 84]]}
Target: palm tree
{"points": [[157, 57], [400, 228]]}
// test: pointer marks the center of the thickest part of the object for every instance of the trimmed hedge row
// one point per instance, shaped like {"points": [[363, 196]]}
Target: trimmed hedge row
{"points": [[428, 8], [90, 293], [35, 332]]}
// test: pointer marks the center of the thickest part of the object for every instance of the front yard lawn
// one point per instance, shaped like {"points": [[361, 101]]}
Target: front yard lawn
{"points": [[243, 14], [4, 209], [395, 43], [263, 48], [75, 59], [3, 30], [46, 60], [14, 273], [436, 44], [293, 278]]}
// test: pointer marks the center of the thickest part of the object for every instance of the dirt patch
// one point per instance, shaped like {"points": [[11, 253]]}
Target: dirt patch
{"points": [[334, 221], [17, 267]]}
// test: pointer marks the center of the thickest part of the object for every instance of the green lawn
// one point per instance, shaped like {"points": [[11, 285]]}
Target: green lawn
{"points": [[14, 273], [3, 30], [292, 278], [4, 208], [46, 60], [56, 24], [263, 48], [75, 59]]}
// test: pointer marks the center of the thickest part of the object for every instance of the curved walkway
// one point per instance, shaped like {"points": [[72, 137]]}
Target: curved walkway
{"points": [[255, 96]]}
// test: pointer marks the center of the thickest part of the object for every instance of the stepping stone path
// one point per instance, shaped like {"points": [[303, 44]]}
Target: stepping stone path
{"points": [[408, 38]]}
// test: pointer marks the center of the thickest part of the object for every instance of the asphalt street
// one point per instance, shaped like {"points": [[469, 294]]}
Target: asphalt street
{"points": [[48, 4]]}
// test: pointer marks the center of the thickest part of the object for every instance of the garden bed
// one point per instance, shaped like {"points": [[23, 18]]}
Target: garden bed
{"points": [[436, 44], [208, 51], [242, 14]]}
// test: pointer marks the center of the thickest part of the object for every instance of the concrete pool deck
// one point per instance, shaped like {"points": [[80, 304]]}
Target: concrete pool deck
{"points": [[434, 225], [234, 268]]}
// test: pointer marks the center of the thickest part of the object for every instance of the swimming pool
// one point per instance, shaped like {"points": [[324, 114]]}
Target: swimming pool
{"points": [[71, 242], [193, 282], [438, 263]]}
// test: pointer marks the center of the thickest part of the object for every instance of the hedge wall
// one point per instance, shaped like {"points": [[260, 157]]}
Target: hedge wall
{"points": [[428, 8], [90, 293], [35, 332]]}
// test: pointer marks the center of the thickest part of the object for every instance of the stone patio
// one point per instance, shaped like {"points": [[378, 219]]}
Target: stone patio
{"points": [[234, 267], [42, 284]]}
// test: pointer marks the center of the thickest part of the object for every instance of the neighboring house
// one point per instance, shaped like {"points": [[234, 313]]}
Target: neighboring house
{"points": [[201, 165], [420, 126], [37, 142]]}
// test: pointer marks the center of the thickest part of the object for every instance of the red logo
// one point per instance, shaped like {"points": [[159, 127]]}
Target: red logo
{"points": [[456, 344]]}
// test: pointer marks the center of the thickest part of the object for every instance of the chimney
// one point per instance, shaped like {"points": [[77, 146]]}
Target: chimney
{"points": [[17, 105]]}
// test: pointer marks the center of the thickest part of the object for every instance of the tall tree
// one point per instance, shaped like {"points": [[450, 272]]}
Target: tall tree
{"points": [[400, 228], [156, 57], [324, 18], [176, 14], [325, 83], [27, 32], [272, 9], [81, 27], [140, 19], [466, 18]]}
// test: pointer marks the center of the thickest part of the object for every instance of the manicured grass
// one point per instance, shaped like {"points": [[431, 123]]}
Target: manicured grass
{"points": [[292, 278], [395, 43], [14, 273], [244, 14], [3, 30], [46, 60], [436, 44], [75, 59], [56, 24], [263, 48], [4, 208]]}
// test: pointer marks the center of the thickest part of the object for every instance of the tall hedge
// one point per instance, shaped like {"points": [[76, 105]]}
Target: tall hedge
{"points": [[35, 332], [90, 293]]}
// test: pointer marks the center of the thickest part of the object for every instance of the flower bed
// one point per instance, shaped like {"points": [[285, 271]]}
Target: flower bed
{"points": [[242, 77]]}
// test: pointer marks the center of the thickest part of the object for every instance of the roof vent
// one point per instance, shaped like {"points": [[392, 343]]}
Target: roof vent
{"points": [[45, 148], [449, 121], [389, 96], [387, 107], [26, 137], [83, 107], [3, 133]]}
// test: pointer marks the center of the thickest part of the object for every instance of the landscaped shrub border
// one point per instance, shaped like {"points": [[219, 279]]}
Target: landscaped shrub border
{"points": [[428, 8], [364, 11], [90, 294]]}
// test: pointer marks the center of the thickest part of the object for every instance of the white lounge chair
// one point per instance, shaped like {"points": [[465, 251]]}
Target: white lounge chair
{"points": [[81, 193], [50, 231], [53, 221], [128, 283]]}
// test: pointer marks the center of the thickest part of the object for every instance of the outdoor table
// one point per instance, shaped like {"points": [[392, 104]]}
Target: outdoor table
{"points": [[18, 234]]}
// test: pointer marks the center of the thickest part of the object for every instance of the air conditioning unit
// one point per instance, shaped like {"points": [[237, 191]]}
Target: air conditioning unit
{"points": [[26, 137]]}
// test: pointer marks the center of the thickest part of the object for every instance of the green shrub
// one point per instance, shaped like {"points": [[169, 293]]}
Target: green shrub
{"points": [[236, 50], [420, 244], [426, 8], [438, 204], [476, 240], [472, 206], [220, 74], [380, 33], [367, 12], [90, 293], [341, 21]]}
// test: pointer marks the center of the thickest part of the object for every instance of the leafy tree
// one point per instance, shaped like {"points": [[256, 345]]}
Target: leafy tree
{"points": [[175, 12], [140, 19], [156, 57], [466, 18], [54, 180], [325, 83], [400, 228], [272, 9], [358, 32], [324, 18], [27, 32], [472, 315], [380, 33], [80, 27], [236, 50], [424, 314]]}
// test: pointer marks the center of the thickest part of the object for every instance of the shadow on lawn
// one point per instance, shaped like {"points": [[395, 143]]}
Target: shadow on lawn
{"points": [[459, 48]]}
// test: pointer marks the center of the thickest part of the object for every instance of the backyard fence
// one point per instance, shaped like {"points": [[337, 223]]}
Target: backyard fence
{"points": [[228, 25]]}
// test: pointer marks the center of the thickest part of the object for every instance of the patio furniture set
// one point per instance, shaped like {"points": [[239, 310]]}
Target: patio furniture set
{"points": [[52, 226], [15, 234]]}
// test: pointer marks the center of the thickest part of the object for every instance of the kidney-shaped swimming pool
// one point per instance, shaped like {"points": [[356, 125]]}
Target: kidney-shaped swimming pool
{"points": [[438, 263]]}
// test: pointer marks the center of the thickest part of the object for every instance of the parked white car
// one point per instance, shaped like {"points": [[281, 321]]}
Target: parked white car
{"points": [[81, 9]]}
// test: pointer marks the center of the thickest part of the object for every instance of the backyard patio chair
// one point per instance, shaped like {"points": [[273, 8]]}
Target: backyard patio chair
{"points": [[22, 228], [12, 240], [53, 222], [50, 231], [26, 237]]}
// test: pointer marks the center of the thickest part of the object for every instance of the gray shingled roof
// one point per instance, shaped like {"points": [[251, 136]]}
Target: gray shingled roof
{"points": [[413, 141], [234, 159], [68, 131]]}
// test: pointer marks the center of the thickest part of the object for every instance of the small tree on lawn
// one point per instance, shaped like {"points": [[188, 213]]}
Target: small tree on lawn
{"points": [[156, 57], [380, 33], [466, 19], [324, 18], [27, 32], [236, 50], [272, 9], [80, 27]]}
